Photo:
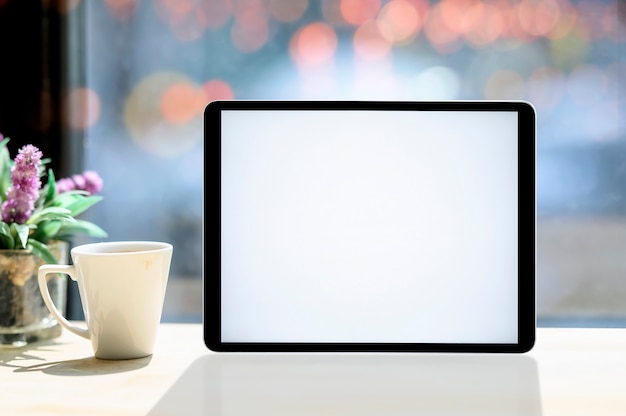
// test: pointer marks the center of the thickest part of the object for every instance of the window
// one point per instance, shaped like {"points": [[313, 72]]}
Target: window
{"points": [[152, 66]]}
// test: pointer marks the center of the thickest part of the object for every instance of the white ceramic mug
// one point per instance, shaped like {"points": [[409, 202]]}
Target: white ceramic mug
{"points": [[122, 288]]}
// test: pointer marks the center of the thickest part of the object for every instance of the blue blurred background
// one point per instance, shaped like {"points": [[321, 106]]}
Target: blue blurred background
{"points": [[138, 74]]}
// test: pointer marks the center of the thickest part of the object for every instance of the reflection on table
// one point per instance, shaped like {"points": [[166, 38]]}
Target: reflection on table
{"points": [[363, 384]]}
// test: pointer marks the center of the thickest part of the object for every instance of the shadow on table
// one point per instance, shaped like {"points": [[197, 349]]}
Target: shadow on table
{"points": [[363, 384], [88, 366], [10, 356]]}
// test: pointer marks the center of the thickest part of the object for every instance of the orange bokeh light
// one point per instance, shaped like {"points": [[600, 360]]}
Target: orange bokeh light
{"points": [[439, 34], [539, 18], [358, 12], [313, 44], [481, 23], [82, 108], [455, 15], [399, 21], [217, 89], [485, 24], [161, 113], [179, 103], [369, 42], [566, 21], [511, 26], [547, 16]]}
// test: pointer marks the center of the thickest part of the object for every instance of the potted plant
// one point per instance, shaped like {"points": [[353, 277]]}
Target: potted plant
{"points": [[37, 220]]}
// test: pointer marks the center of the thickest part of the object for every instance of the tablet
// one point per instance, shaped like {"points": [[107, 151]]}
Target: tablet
{"points": [[369, 226]]}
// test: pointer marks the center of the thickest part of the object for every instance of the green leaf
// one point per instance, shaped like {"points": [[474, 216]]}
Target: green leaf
{"points": [[81, 227], [6, 239], [47, 230], [67, 198], [81, 204], [22, 231], [51, 192], [5, 169], [51, 213], [41, 250], [6, 242]]}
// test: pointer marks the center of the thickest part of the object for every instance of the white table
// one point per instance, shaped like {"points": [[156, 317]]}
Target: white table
{"points": [[569, 372]]}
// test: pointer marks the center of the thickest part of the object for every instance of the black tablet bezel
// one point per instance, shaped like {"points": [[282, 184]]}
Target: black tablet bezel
{"points": [[526, 226]]}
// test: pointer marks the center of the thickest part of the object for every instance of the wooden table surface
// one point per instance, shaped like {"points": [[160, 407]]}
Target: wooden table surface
{"points": [[569, 372]]}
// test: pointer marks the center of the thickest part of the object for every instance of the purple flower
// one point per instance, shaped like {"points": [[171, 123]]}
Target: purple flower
{"points": [[25, 185], [88, 181]]}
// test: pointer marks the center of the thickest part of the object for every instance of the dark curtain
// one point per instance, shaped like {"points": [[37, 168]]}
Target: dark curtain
{"points": [[40, 60], [30, 80]]}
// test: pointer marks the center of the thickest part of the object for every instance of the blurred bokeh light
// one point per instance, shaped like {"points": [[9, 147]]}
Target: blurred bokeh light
{"points": [[153, 66]]}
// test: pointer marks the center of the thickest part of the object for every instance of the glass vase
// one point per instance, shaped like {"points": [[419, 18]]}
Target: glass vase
{"points": [[24, 317]]}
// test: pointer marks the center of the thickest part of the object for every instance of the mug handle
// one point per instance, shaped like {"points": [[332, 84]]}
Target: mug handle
{"points": [[44, 271]]}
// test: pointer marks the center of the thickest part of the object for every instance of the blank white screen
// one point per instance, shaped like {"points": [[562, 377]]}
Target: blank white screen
{"points": [[369, 226]]}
